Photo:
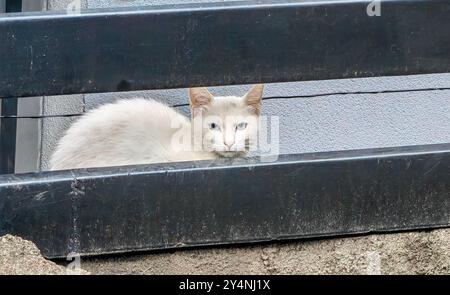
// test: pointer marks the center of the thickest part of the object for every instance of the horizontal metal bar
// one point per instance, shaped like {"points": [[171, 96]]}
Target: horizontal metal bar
{"points": [[220, 44], [98, 211]]}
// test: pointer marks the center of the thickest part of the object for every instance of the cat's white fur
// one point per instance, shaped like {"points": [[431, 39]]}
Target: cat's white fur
{"points": [[141, 131]]}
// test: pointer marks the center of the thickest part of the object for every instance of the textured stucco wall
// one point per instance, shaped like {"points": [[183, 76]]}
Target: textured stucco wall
{"points": [[333, 122], [401, 253]]}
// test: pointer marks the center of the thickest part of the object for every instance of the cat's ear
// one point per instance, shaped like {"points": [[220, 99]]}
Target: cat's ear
{"points": [[199, 98], [254, 97]]}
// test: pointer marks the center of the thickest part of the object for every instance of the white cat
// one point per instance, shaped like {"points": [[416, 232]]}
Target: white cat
{"points": [[140, 131]]}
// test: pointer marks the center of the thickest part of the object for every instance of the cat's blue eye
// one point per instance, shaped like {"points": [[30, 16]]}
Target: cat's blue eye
{"points": [[213, 126], [241, 126]]}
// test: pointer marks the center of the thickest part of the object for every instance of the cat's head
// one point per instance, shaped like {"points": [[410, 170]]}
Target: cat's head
{"points": [[228, 124]]}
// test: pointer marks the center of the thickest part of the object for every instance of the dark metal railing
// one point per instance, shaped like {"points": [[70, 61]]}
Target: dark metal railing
{"points": [[8, 128]]}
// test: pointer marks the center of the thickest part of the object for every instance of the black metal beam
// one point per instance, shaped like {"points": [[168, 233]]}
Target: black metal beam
{"points": [[211, 44], [8, 135], [13, 6], [8, 127], [174, 205]]}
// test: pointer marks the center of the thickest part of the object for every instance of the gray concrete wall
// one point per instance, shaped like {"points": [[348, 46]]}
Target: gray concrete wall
{"points": [[33, 5], [333, 122], [28, 140]]}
